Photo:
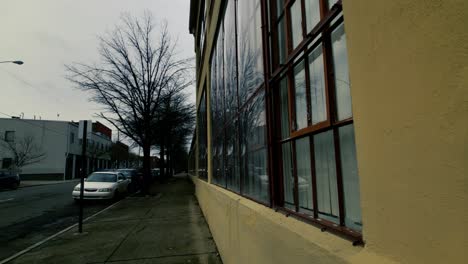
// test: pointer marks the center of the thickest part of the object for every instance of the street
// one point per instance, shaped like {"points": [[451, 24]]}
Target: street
{"points": [[30, 214]]}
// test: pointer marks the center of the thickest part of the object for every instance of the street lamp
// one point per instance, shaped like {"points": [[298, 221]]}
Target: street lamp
{"points": [[15, 62]]}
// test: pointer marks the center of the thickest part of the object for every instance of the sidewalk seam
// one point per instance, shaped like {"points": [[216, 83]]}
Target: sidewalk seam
{"points": [[129, 232]]}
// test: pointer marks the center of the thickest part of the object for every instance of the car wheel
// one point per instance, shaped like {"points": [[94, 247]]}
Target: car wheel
{"points": [[116, 195], [14, 185], [77, 201]]}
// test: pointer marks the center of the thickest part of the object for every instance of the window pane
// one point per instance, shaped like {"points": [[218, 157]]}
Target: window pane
{"points": [[202, 137], [350, 178], [342, 83], [312, 8], [317, 86], [279, 7], [213, 94], [281, 41], [220, 107], [325, 170], [250, 57], [232, 158], [288, 176], [230, 66], [284, 107], [304, 175], [255, 181], [300, 94], [331, 3], [296, 23]]}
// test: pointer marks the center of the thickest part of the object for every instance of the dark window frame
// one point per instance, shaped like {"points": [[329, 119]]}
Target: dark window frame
{"points": [[319, 35]]}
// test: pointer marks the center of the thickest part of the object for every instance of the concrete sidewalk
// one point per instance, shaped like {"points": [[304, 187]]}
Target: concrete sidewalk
{"points": [[166, 228]]}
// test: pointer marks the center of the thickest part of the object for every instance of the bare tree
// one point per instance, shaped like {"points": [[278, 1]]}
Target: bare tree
{"points": [[135, 74], [24, 151]]}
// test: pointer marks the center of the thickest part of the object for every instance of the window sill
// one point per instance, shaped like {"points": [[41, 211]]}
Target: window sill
{"points": [[325, 226]]}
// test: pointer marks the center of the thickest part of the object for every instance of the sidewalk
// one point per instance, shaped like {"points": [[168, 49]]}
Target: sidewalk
{"points": [[166, 228]]}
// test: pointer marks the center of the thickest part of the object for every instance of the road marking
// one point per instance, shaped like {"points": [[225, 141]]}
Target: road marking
{"points": [[54, 235], [6, 200]]}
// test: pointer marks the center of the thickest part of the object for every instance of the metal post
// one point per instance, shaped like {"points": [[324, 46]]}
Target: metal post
{"points": [[83, 175]]}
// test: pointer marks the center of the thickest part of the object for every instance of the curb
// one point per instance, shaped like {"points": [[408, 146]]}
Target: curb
{"points": [[42, 184]]}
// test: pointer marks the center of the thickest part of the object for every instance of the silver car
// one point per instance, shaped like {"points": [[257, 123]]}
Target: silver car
{"points": [[102, 185]]}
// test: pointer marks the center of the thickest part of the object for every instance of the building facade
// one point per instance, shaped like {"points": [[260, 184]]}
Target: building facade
{"points": [[332, 131], [58, 141]]}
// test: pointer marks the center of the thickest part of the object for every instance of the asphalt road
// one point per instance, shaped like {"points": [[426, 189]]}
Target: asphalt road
{"points": [[30, 214]]}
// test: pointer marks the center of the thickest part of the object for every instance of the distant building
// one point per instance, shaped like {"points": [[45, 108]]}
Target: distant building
{"points": [[59, 141]]}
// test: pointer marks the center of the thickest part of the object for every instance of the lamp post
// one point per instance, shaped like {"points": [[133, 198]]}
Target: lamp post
{"points": [[15, 62]]}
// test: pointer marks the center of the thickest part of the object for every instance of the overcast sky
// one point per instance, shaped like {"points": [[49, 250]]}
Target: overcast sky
{"points": [[47, 34]]}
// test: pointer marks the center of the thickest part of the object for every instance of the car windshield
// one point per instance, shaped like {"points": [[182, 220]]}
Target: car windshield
{"points": [[102, 177]]}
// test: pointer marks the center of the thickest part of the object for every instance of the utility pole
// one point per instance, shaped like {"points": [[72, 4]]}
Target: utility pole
{"points": [[83, 174]]}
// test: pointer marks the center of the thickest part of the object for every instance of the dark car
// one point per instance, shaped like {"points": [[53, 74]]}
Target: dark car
{"points": [[9, 179], [132, 175]]}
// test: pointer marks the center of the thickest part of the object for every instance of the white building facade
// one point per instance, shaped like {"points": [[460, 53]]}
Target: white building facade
{"points": [[59, 142]]}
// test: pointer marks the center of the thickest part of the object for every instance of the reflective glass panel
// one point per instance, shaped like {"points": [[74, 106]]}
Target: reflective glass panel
{"points": [[304, 175], [317, 86], [284, 107], [342, 83], [300, 94], [230, 65], [350, 177], [255, 181], [296, 23], [288, 176], [325, 170], [312, 10], [249, 41]]}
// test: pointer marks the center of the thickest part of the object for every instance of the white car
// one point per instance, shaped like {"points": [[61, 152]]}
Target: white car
{"points": [[102, 185]]}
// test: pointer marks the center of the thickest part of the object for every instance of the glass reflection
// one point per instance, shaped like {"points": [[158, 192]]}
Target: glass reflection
{"points": [[342, 83], [304, 175], [232, 159], [312, 10], [281, 41], [230, 66], [288, 176], [300, 94], [331, 3], [284, 107], [253, 138], [296, 23], [250, 57], [317, 86], [325, 170], [350, 177]]}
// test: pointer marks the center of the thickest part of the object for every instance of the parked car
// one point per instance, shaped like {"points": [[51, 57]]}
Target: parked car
{"points": [[102, 185], [9, 179], [155, 173], [132, 175]]}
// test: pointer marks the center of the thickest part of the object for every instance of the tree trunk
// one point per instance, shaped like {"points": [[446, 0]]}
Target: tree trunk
{"points": [[146, 167], [161, 165]]}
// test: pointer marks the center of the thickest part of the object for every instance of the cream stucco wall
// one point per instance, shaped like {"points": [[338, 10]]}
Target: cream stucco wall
{"points": [[409, 72], [247, 232]]}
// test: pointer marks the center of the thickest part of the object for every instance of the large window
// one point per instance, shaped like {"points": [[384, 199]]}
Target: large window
{"points": [[238, 102], [202, 137], [303, 131], [318, 168]]}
